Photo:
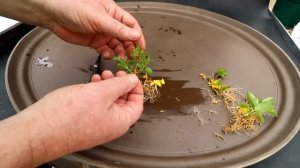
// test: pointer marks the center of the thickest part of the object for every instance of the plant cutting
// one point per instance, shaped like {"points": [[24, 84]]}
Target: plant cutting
{"points": [[138, 64], [247, 113]]}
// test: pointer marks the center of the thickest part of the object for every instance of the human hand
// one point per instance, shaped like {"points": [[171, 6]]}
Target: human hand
{"points": [[100, 24], [82, 116]]}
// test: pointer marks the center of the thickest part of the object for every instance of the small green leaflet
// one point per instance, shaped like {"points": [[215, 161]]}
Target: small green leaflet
{"points": [[221, 73], [260, 107], [122, 64], [252, 100], [148, 71]]}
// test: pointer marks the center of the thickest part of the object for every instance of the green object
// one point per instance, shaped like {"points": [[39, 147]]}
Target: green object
{"points": [[288, 12], [137, 64], [260, 107], [221, 73]]}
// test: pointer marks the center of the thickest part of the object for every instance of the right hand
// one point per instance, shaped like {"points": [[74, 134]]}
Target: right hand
{"points": [[86, 115]]}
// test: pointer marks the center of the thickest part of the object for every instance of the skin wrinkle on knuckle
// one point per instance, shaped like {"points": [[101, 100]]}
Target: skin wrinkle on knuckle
{"points": [[94, 24], [120, 29], [119, 14], [122, 17], [106, 6], [83, 25]]}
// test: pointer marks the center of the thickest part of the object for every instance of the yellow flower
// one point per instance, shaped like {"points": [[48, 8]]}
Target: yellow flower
{"points": [[158, 82], [215, 84]]}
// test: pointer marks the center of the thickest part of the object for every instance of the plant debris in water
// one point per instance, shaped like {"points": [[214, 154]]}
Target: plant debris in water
{"points": [[138, 64], [247, 113]]}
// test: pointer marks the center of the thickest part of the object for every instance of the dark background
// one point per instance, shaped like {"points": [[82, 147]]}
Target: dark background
{"points": [[254, 13]]}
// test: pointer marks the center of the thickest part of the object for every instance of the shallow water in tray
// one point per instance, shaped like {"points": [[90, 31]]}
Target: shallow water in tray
{"points": [[173, 98]]}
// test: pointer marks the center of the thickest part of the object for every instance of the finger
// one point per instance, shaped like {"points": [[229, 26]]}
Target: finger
{"points": [[133, 107], [126, 18], [141, 42], [123, 98], [96, 78], [135, 100], [121, 73], [120, 30], [117, 46], [118, 86], [128, 47], [120, 51], [128, 112], [107, 74], [127, 43], [106, 52], [113, 43]]}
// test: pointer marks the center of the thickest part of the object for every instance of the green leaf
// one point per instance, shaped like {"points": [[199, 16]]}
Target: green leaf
{"points": [[224, 87], [253, 101], [140, 65], [117, 58], [136, 52], [148, 71], [147, 60], [269, 99], [221, 73], [260, 117], [266, 106], [121, 66], [261, 107], [273, 113]]}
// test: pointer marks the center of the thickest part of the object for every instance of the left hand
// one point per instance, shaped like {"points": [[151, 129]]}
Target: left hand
{"points": [[100, 24]]}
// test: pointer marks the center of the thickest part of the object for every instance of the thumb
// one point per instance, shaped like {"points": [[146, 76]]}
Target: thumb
{"points": [[118, 86], [119, 30]]}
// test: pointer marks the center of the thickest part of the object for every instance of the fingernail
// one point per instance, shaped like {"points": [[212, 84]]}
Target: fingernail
{"points": [[134, 34], [133, 78]]}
